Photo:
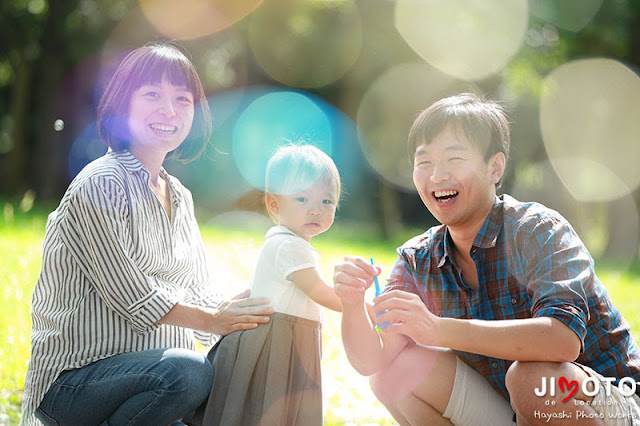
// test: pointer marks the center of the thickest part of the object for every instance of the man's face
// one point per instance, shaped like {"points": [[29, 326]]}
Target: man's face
{"points": [[454, 181]]}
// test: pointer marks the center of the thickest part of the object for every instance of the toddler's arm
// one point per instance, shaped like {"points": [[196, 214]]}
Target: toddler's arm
{"points": [[312, 283]]}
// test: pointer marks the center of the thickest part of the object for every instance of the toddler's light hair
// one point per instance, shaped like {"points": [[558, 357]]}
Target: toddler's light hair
{"points": [[294, 168]]}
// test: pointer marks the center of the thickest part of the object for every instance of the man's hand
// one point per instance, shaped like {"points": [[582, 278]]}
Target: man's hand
{"points": [[408, 315], [352, 277], [240, 313]]}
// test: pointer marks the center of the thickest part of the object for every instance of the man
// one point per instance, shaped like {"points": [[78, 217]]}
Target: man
{"points": [[498, 310]]}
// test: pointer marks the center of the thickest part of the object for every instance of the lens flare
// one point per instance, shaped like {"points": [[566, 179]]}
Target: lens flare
{"points": [[276, 119], [190, 19], [590, 128], [306, 44], [469, 39], [58, 125], [85, 148], [610, 228], [388, 109]]}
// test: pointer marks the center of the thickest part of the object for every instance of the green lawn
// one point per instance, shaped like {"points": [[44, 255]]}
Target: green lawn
{"points": [[348, 399]]}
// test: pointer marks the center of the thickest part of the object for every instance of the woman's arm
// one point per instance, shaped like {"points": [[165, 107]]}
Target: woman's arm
{"points": [[239, 313], [313, 284]]}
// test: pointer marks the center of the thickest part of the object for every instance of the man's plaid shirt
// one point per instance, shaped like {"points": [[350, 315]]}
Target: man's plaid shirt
{"points": [[530, 263]]}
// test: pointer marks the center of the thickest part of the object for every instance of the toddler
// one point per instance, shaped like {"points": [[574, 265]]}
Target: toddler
{"points": [[271, 375]]}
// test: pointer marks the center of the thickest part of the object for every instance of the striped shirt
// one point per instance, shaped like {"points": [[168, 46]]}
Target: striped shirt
{"points": [[530, 263], [113, 265]]}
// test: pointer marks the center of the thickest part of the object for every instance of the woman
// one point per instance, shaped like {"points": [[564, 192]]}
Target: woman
{"points": [[124, 285]]}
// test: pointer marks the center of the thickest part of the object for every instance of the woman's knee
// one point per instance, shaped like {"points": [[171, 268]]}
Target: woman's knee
{"points": [[187, 372]]}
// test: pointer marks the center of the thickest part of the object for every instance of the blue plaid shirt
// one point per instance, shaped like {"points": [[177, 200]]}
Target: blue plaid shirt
{"points": [[530, 263]]}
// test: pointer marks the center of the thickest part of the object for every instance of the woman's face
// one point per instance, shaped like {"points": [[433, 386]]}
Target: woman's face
{"points": [[160, 116]]}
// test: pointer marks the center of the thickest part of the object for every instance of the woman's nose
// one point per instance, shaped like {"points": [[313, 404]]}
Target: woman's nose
{"points": [[167, 108]]}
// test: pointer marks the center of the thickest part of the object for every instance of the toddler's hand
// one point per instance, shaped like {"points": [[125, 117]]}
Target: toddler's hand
{"points": [[352, 277]]}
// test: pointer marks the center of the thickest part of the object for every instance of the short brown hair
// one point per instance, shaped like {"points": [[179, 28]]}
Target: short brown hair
{"points": [[483, 122], [149, 64]]}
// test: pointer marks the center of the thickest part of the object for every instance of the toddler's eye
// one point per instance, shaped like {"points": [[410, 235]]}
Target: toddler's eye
{"points": [[327, 201], [301, 199]]}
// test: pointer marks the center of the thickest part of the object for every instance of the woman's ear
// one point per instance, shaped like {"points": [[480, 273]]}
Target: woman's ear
{"points": [[497, 164], [271, 202]]}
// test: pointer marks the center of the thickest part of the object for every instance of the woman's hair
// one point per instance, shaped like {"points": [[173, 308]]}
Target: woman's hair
{"points": [[150, 64], [294, 168], [483, 122]]}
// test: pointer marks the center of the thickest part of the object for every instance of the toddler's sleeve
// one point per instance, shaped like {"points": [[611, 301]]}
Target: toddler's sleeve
{"points": [[293, 255]]}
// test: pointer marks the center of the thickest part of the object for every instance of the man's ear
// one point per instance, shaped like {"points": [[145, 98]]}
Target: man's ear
{"points": [[271, 202], [497, 164]]}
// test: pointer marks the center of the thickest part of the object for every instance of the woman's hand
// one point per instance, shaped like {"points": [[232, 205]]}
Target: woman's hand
{"points": [[408, 315], [240, 313]]}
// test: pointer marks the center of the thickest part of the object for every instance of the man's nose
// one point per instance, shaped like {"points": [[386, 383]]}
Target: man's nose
{"points": [[439, 173]]}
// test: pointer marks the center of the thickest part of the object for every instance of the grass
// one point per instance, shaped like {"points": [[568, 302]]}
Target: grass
{"points": [[348, 399]]}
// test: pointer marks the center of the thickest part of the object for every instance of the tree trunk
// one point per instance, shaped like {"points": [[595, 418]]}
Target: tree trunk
{"points": [[16, 160]]}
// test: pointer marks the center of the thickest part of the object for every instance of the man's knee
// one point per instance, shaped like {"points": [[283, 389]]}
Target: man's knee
{"points": [[523, 378], [425, 372]]}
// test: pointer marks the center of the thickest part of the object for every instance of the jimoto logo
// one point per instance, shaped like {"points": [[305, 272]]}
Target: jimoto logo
{"points": [[590, 386]]}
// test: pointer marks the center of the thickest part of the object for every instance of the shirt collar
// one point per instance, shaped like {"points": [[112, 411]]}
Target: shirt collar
{"points": [[133, 165], [128, 161], [283, 230], [487, 236]]}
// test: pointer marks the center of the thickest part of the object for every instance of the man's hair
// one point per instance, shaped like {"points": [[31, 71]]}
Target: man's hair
{"points": [[483, 122], [295, 167], [149, 64]]}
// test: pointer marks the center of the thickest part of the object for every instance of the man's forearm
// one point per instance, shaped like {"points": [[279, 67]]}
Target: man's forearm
{"points": [[532, 339]]}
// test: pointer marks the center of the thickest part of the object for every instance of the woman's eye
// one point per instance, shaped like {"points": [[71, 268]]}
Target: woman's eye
{"points": [[185, 99], [151, 94]]}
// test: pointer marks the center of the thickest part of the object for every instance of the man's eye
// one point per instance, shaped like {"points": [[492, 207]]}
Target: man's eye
{"points": [[423, 164]]}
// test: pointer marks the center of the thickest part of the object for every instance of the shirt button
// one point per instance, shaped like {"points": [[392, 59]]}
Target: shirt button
{"points": [[514, 301], [494, 365]]}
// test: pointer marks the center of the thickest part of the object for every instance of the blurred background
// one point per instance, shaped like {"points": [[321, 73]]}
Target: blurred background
{"points": [[348, 76]]}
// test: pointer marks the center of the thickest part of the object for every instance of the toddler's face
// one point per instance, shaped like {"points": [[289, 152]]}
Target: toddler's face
{"points": [[309, 212]]}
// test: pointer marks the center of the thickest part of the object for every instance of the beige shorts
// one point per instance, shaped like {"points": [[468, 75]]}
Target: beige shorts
{"points": [[613, 406], [474, 402]]}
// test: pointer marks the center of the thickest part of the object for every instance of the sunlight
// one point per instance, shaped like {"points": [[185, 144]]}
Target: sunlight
{"points": [[469, 39]]}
